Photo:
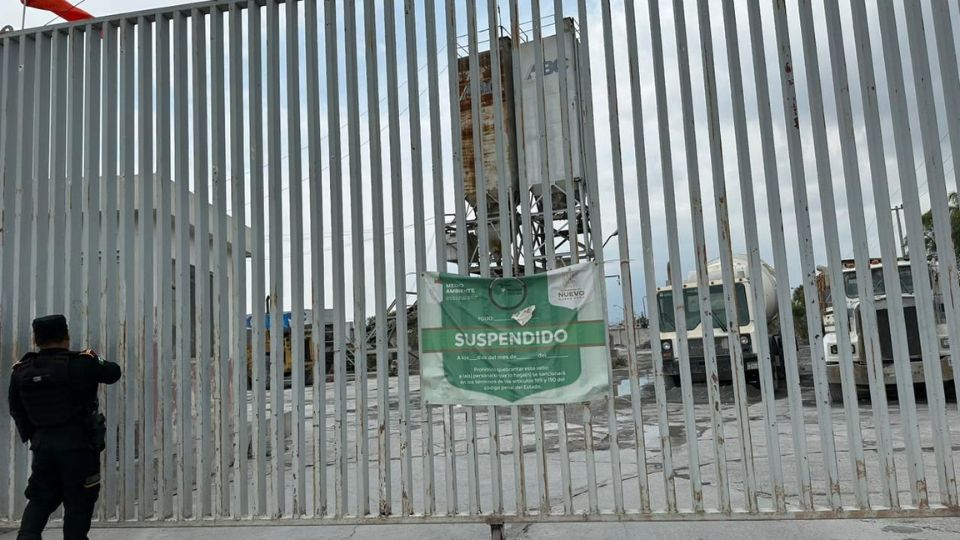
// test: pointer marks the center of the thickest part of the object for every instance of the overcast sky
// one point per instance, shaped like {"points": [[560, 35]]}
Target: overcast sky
{"points": [[10, 13]]}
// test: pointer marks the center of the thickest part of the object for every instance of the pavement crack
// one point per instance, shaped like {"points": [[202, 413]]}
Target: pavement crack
{"points": [[353, 533]]}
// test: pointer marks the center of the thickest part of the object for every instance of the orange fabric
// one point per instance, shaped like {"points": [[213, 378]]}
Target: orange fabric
{"points": [[61, 8]]}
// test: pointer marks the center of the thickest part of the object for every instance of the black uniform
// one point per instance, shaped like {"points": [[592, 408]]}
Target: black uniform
{"points": [[53, 399]]}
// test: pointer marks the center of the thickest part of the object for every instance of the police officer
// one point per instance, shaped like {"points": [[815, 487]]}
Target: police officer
{"points": [[53, 399]]}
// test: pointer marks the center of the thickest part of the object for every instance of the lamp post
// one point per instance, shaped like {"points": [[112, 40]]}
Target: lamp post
{"points": [[614, 233]]}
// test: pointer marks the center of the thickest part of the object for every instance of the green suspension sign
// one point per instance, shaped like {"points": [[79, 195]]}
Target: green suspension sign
{"points": [[512, 341]]}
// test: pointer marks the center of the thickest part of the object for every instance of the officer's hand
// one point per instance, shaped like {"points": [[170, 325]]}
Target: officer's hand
{"points": [[91, 354]]}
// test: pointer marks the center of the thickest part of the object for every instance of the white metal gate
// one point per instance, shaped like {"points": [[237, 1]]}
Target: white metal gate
{"points": [[141, 152]]}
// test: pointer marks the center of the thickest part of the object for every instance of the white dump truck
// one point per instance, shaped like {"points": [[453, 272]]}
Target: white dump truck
{"points": [[851, 296], [748, 315]]}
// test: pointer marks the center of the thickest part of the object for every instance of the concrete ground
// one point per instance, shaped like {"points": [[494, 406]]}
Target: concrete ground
{"points": [[901, 529]]}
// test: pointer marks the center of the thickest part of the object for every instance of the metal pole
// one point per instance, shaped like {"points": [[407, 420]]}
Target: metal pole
{"points": [[275, 232], [436, 154], [145, 277], [258, 270], [379, 260], [297, 334], [420, 249], [201, 190], [341, 480], [626, 276], [670, 203], [318, 334]]}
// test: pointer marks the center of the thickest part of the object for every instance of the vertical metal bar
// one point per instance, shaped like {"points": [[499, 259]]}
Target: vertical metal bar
{"points": [[439, 217], [675, 282], [7, 449], [516, 420], [201, 205], [185, 330], [357, 245], [547, 215], [218, 270], [726, 259], [807, 263], [40, 267], [420, 249], [483, 231], [573, 231], [90, 278], [54, 284], [933, 164], [127, 257], [649, 272], [703, 287], [399, 259], [6, 190], [339, 298], [870, 329], [542, 151], [92, 283], [109, 278], [504, 223], [145, 277], [371, 46], [449, 426], [950, 81], [625, 276], [8, 69], [91, 184], [588, 156], [754, 264], [318, 324], [295, 179], [238, 248], [258, 355], [23, 214], [275, 232], [73, 167], [165, 258], [888, 251], [780, 256]]}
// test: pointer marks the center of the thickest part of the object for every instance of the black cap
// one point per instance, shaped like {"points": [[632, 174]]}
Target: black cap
{"points": [[50, 329]]}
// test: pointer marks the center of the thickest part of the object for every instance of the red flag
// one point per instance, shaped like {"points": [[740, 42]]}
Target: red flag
{"points": [[62, 8]]}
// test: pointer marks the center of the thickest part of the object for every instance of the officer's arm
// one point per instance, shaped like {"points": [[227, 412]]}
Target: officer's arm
{"points": [[19, 414], [99, 370]]}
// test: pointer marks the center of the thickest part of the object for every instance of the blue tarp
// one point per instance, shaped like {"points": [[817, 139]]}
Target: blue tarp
{"points": [[287, 317]]}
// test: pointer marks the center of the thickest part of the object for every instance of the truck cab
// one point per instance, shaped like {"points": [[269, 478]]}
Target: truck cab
{"points": [[850, 295], [747, 314]]}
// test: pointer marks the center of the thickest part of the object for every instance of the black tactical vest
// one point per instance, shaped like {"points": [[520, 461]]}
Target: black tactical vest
{"points": [[48, 395]]}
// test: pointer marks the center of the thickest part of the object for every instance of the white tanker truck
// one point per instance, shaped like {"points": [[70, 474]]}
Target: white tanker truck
{"points": [[748, 315]]}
